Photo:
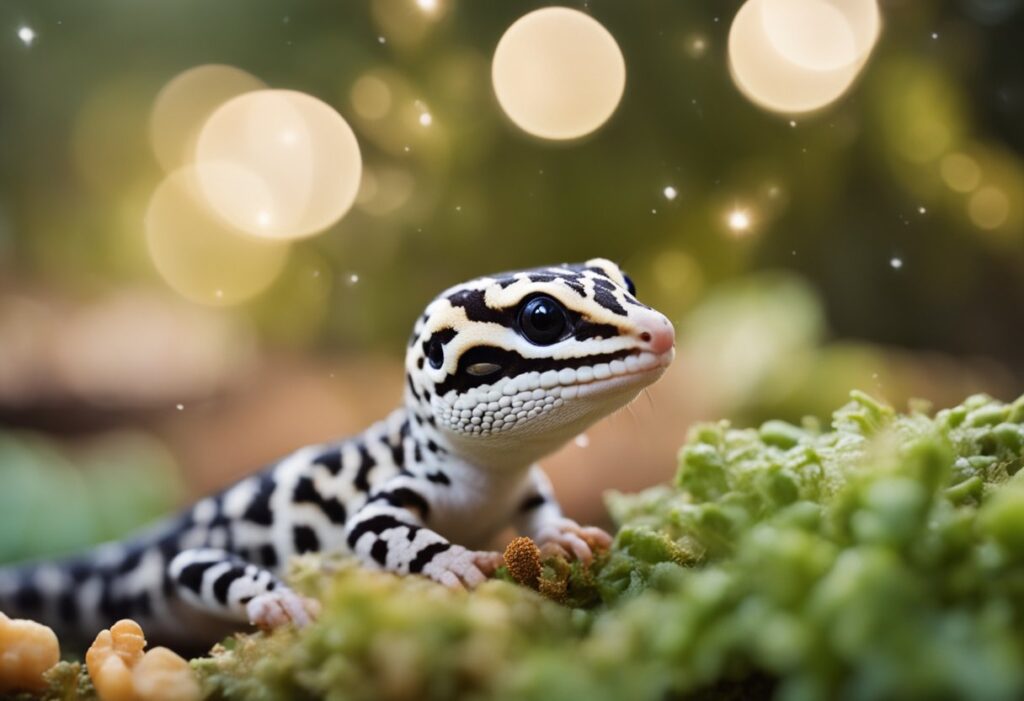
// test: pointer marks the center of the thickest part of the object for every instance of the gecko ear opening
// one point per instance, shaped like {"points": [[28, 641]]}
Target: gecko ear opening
{"points": [[482, 369]]}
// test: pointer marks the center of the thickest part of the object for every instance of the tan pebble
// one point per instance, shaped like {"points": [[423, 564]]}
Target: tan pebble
{"points": [[121, 671], [27, 650]]}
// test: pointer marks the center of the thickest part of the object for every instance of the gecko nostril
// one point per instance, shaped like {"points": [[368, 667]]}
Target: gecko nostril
{"points": [[645, 337]]}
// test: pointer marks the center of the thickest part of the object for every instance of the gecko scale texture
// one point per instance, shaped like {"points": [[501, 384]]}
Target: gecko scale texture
{"points": [[500, 371]]}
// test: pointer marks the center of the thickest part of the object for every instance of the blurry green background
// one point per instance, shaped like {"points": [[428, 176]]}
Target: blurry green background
{"points": [[886, 247]]}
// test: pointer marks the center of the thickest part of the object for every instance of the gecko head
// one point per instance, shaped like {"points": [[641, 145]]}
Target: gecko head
{"points": [[526, 360]]}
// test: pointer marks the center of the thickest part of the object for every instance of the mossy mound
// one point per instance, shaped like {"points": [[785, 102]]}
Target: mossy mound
{"points": [[881, 559]]}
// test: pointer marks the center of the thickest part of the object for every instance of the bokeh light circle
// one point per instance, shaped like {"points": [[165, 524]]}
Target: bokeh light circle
{"points": [[796, 56], [278, 164], [183, 105], [989, 207], [198, 254], [558, 73]]}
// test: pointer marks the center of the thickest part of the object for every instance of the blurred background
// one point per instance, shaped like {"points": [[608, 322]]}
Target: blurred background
{"points": [[871, 236]]}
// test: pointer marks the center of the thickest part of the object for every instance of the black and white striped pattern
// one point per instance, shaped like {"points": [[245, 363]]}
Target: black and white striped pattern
{"points": [[416, 493]]}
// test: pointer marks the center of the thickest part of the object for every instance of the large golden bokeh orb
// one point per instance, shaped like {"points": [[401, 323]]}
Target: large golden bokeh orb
{"points": [[798, 56], [198, 254], [278, 164], [558, 73]]}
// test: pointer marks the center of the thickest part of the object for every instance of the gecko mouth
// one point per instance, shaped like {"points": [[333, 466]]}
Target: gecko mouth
{"points": [[640, 368]]}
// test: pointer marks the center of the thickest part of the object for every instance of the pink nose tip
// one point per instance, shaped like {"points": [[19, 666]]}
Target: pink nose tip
{"points": [[658, 333]]}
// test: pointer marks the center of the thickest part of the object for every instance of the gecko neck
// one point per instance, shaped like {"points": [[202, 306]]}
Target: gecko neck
{"points": [[510, 455]]}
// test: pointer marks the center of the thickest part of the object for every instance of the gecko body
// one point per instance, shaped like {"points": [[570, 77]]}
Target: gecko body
{"points": [[500, 371]]}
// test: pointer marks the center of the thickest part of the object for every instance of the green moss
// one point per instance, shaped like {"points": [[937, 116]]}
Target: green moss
{"points": [[881, 559]]}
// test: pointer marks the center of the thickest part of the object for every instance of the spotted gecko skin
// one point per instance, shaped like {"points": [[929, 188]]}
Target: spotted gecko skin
{"points": [[500, 371]]}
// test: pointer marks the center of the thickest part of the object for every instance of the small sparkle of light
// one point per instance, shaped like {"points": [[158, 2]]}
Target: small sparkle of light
{"points": [[792, 123], [425, 119], [27, 35], [654, 211], [180, 407], [935, 35], [427, 5], [921, 210], [583, 440], [407, 149], [263, 218], [458, 208], [670, 193], [381, 40], [896, 263], [352, 279], [739, 220], [697, 46]]}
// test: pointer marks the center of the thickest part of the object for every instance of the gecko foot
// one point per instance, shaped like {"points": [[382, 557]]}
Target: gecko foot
{"points": [[281, 607], [569, 539], [460, 568]]}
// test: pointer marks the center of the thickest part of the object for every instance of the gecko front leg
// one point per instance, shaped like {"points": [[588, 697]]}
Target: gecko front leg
{"points": [[540, 517], [390, 533], [224, 585]]}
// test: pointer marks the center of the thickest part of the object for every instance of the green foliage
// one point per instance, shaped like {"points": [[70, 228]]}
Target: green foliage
{"points": [[55, 501]]}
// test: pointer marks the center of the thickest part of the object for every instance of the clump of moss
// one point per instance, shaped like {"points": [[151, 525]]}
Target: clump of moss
{"points": [[387, 637], [883, 558]]}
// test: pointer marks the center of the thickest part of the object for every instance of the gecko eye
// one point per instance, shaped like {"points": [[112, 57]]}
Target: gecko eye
{"points": [[435, 353], [630, 287], [543, 321]]}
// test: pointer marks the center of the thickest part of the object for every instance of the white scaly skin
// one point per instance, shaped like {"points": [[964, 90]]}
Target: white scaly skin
{"points": [[501, 371]]}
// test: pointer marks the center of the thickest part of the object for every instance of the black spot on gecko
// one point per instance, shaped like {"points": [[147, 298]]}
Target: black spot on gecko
{"points": [[258, 510], [67, 607], [307, 493], [130, 561], [191, 575], [305, 539], [438, 478], [330, 459], [424, 556], [603, 296], [113, 607], [586, 330], [405, 498], [366, 463], [375, 525], [268, 555], [475, 306], [223, 584], [379, 552], [531, 502], [28, 598]]}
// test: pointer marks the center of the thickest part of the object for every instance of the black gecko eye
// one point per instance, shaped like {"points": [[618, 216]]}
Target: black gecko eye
{"points": [[435, 353], [630, 287], [543, 321]]}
